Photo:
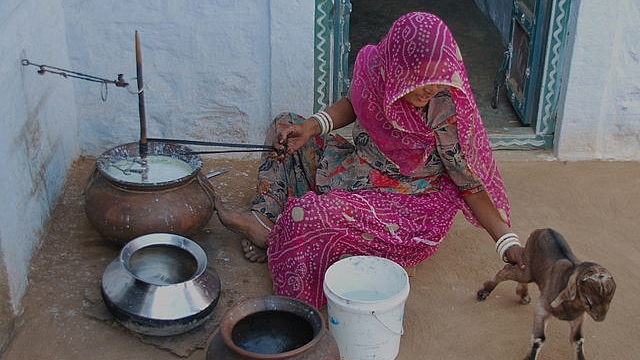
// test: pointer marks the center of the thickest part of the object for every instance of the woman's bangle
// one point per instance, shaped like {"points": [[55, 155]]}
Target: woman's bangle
{"points": [[321, 122], [504, 243], [504, 238], [329, 120], [264, 225], [325, 121]]}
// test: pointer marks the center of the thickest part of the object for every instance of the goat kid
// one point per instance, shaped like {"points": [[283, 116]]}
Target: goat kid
{"points": [[568, 287]]}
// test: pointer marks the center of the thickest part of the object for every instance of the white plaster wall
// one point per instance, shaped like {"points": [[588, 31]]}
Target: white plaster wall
{"points": [[38, 137], [600, 116], [213, 70], [292, 61]]}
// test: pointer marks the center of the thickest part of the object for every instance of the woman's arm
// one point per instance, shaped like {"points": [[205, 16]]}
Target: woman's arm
{"points": [[342, 113], [488, 216], [293, 137], [441, 117]]}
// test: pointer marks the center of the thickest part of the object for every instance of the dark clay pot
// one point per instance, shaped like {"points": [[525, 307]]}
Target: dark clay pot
{"points": [[272, 327], [122, 210]]}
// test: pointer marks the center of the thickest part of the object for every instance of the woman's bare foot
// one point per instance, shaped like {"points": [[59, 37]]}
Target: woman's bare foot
{"points": [[252, 252], [244, 223]]}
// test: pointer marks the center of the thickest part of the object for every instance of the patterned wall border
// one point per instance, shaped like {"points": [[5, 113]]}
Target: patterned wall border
{"points": [[331, 51], [548, 104], [322, 55]]}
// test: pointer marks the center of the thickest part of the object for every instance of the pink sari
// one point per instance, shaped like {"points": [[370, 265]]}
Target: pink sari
{"points": [[314, 230]]}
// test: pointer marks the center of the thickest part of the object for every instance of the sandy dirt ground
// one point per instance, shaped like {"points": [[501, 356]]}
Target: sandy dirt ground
{"points": [[596, 206]]}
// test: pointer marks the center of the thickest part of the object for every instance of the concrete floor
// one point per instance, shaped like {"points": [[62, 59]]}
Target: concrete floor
{"points": [[593, 204]]}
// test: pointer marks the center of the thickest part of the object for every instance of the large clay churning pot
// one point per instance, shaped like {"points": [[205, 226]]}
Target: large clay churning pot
{"points": [[127, 196]]}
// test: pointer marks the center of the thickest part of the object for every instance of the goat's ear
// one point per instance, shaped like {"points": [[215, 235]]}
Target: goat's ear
{"points": [[569, 292]]}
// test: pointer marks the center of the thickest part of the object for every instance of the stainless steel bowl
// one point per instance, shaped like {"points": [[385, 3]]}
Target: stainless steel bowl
{"points": [[160, 285]]}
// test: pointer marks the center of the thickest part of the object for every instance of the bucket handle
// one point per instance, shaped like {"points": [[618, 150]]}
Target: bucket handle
{"points": [[401, 332]]}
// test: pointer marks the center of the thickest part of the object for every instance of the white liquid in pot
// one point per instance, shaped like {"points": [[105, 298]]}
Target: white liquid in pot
{"points": [[159, 169]]}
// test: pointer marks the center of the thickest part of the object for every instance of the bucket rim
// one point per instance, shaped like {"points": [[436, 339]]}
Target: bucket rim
{"points": [[389, 302]]}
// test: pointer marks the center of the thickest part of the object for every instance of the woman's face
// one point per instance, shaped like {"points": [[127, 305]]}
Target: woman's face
{"points": [[420, 96]]}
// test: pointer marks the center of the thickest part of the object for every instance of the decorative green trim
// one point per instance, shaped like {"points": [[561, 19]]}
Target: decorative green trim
{"points": [[322, 55], [331, 51], [551, 81], [520, 138]]}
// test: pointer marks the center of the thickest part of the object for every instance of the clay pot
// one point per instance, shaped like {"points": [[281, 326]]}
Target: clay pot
{"points": [[122, 209], [160, 285], [273, 327]]}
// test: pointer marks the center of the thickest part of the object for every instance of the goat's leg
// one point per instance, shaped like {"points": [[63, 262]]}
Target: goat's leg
{"points": [[508, 272], [536, 344], [522, 289], [540, 316], [576, 337]]}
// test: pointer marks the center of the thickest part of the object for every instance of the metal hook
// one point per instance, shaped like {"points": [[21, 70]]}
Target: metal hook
{"points": [[120, 82], [135, 92]]}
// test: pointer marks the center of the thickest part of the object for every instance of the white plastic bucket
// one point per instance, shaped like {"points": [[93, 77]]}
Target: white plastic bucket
{"points": [[365, 305]]}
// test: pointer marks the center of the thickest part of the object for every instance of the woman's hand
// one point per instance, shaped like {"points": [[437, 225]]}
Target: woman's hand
{"points": [[515, 255], [292, 137], [491, 220]]}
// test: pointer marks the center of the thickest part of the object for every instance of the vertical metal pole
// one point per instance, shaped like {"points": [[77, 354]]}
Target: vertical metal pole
{"points": [[143, 121]]}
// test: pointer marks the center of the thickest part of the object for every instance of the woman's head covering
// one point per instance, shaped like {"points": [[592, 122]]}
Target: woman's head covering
{"points": [[418, 50]]}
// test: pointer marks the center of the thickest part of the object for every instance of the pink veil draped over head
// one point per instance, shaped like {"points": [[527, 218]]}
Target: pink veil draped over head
{"points": [[419, 50]]}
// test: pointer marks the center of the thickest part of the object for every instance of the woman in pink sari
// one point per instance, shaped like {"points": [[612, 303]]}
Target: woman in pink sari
{"points": [[419, 155]]}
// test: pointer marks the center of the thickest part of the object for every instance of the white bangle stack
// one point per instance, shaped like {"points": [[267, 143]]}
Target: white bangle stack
{"points": [[506, 242], [325, 121]]}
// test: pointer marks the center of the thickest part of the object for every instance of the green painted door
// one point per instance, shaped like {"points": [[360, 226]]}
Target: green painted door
{"points": [[533, 77]]}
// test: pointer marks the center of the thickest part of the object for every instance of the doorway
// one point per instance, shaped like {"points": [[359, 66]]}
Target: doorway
{"points": [[344, 26], [480, 42]]}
